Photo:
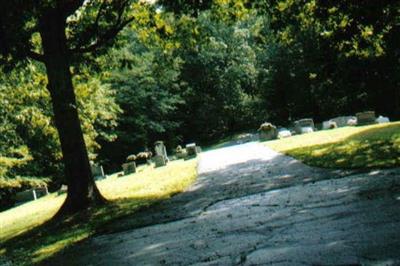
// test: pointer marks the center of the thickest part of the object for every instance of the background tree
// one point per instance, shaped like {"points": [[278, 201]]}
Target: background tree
{"points": [[66, 28], [30, 148], [145, 79], [220, 72], [330, 58]]}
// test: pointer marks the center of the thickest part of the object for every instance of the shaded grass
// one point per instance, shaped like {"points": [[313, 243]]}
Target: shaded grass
{"points": [[28, 236], [376, 146], [230, 140]]}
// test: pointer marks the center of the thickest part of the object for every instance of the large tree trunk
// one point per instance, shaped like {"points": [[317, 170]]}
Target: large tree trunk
{"points": [[82, 190]]}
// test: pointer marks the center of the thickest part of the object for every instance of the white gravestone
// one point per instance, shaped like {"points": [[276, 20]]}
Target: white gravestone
{"points": [[382, 119]]}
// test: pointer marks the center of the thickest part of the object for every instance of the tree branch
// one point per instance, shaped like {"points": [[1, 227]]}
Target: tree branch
{"points": [[35, 56], [103, 39], [101, 8], [110, 33]]}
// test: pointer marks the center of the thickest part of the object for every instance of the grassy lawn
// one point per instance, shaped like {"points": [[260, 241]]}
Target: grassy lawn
{"points": [[27, 237], [375, 146]]}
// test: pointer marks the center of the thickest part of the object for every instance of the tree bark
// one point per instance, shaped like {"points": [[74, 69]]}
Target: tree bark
{"points": [[82, 190]]}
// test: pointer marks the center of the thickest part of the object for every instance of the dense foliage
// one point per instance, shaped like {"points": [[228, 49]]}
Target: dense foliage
{"points": [[209, 69], [30, 152]]}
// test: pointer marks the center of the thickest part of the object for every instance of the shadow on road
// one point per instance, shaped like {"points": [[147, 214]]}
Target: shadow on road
{"points": [[256, 212]]}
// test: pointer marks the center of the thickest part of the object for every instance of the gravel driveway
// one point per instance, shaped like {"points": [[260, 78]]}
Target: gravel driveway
{"points": [[253, 206]]}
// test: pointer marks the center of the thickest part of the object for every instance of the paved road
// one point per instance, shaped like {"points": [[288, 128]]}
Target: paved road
{"points": [[252, 206]]}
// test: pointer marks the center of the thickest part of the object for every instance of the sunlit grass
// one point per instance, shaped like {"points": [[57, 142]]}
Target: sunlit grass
{"points": [[376, 146], [29, 239], [22, 218]]}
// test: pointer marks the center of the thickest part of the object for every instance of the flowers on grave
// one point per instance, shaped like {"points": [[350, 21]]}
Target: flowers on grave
{"points": [[266, 127], [144, 155], [267, 131], [180, 152], [131, 158]]}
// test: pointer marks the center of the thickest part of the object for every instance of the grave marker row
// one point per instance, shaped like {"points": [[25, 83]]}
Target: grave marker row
{"points": [[31, 194]]}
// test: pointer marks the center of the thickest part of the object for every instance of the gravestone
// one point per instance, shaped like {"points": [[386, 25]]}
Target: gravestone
{"points": [[305, 130], [382, 119], [267, 131], [31, 194], [366, 118], [129, 168], [191, 150], [159, 161], [343, 121], [284, 133], [180, 152], [160, 150], [325, 124], [352, 122], [41, 191], [329, 124], [97, 171], [25, 196], [245, 137], [305, 125]]}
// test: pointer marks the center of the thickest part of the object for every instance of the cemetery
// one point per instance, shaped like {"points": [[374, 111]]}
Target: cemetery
{"points": [[31, 194], [268, 131], [212, 132], [132, 178]]}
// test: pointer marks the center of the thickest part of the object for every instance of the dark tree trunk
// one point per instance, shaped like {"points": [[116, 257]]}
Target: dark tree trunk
{"points": [[82, 190]]}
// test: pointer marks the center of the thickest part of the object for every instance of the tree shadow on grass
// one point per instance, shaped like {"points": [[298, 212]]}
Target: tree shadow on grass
{"points": [[281, 176], [44, 240], [233, 181], [51, 237], [377, 147], [252, 176]]}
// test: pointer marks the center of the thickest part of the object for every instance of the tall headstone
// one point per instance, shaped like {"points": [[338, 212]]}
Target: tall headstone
{"points": [[160, 150], [159, 160]]}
